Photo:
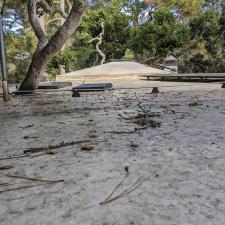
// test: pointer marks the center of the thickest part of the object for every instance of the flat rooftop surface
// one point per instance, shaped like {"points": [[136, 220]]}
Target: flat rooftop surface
{"points": [[178, 167], [113, 69]]}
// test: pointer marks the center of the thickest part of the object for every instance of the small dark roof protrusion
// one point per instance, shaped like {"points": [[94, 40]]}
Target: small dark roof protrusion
{"points": [[170, 58]]}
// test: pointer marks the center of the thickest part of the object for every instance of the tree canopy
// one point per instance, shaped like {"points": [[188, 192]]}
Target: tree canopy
{"points": [[148, 31]]}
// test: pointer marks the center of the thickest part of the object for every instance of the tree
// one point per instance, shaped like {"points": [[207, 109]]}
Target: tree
{"points": [[156, 39], [19, 48], [191, 30], [46, 49], [182, 8], [205, 50], [79, 54], [116, 23], [99, 39]]}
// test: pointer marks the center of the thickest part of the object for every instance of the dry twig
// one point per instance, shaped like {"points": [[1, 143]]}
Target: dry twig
{"points": [[33, 179], [23, 187], [15, 157], [60, 145], [43, 182], [122, 132], [127, 191], [26, 153]]}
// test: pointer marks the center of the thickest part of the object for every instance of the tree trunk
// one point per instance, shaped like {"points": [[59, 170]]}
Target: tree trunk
{"points": [[41, 20], [62, 67], [47, 49]]}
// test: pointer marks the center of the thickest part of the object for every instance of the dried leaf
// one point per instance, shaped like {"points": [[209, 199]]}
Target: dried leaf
{"points": [[134, 145], [92, 135], [51, 152], [87, 147], [6, 167]]}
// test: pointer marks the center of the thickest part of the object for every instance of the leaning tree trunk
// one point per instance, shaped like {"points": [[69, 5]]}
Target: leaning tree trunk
{"points": [[62, 21], [46, 49]]}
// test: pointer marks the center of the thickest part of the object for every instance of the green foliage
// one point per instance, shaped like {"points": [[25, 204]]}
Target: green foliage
{"points": [[191, 30], [185, 8], [147, 121], [116, 28], [161, 36], [129, 55], [79, 53], [72, 60], [19, 48], [205, 50], [195, 103]]}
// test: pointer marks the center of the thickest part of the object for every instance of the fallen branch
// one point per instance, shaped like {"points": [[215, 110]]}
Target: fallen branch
{"points": [[4, 184], [152, 114], [141, 107], [50, 147], [125, 118], [34, 179], [24, 187], [142, 128], [122, 132], [61, 145], [45, 182], [14, 157], [148, 114], [35, 156]]}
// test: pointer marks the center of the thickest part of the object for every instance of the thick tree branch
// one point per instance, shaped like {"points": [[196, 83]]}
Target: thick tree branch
{"points": [[33, 7], [2, 7], [67, 29], [93, 39], [51, 9], [96, 60], [44, 55], [100, 38], [53, 20], [33, 17], [69, 5]]}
